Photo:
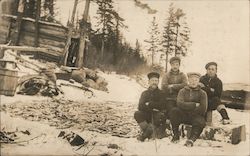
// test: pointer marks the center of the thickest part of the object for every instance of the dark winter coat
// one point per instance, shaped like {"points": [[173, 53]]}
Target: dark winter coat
{"points": [[214, 83], [152, 99], [177, 79], [188, 97]]}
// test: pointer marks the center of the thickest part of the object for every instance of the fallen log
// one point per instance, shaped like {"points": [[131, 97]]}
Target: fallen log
{"points": [[28, 38], [85, 89], [19, 57], [29, 49]]}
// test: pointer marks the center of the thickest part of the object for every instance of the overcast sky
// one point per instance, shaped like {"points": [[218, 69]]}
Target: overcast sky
{"points": [[219, 31]]}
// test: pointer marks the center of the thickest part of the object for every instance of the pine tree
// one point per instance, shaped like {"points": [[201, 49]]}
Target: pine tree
{"points": [[105, 22], [176, 34], [138, 47], [49, 11], [109, 24], [154, 40]]}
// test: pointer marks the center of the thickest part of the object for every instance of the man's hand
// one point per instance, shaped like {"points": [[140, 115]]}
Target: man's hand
{"points": [[168, 121], [170, 86], [155, 110], [212, 89], [197, 104], [201, 84], [149, 105]]}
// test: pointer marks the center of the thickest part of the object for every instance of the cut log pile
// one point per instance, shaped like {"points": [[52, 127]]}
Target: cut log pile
{"points": [[106, 118], [85, 76]]}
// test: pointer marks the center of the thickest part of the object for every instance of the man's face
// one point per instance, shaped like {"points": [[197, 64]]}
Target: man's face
{"points": [[175, 65], [153, 82], [193, 81], [211, 70]]}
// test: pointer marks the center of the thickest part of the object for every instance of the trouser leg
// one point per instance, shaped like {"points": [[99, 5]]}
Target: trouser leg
{"points": [[198, 124], [141, 116], [176, 117], [159, 120], [170, 105], [215, 104], [143, 120]]}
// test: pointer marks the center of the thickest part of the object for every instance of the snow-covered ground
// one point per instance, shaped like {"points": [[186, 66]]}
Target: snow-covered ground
{"points": [[123, 95], [44, 140]]}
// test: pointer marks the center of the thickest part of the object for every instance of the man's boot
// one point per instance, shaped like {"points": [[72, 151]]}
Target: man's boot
{"points": [[224, 115], [195, 134], [147, 130], [176, 136]]}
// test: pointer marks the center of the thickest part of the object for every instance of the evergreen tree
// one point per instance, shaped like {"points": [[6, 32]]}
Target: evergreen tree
{"points": [[49, 11], [176, 34], [105, 22], [109, 24], [154, 40]]}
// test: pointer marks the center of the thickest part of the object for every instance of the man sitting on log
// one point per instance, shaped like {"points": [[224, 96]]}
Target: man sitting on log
{"points": [[212, 85], [191, 108], [172, 82], [151, 111]]}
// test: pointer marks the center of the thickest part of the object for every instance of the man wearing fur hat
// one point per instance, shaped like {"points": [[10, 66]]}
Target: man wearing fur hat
{"points": [[151, 111], [191, 109], [172, 82], [212, 85]]}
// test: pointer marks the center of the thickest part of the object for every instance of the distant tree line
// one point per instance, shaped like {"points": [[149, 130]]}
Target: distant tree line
{"points": [[111, 50]]}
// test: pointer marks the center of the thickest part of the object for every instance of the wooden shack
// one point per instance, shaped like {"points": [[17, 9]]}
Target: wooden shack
{"points": [[61, 43], [52, 36]]}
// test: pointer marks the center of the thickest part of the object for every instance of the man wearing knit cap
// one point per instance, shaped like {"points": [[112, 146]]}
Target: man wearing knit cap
{"points": [[212, 85], [172, 82], [151, 111], [191, 109]]}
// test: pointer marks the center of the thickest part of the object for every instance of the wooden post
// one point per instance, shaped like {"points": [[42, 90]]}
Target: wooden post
{"points": [[209, 117], [83, 35], [166, 67], [20, 11], [70, 31], [14, 12], [38, 12]]}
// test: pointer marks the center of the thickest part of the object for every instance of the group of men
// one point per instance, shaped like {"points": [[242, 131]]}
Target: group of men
{"points": [[180, 100]]}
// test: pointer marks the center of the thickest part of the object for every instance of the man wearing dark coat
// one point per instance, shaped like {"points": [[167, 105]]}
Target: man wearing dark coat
{"points": [[191, 109], [151, 110], [212, 85]]}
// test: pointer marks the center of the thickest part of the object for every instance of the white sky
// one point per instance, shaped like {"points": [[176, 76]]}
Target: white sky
{"points": [[219, 31]]}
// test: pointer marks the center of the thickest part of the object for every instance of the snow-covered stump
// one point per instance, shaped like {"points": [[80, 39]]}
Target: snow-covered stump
{"points": [[232, 133]]}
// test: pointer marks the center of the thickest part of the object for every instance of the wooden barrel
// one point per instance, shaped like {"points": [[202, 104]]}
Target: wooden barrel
{"points": [[8, 82]]}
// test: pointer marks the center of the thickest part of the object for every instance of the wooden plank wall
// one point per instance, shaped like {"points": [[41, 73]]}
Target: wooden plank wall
{"points": [[51, 35]]}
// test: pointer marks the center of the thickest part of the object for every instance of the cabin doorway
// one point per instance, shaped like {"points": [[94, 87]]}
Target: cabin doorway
{"points": [[73, 49]]}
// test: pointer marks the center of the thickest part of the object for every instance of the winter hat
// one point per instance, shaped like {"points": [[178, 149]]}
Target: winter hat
{"points": [[210, 63], [175, 58], [193, 74], [153, 74]]}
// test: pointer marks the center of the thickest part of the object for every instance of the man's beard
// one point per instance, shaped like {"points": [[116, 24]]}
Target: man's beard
{"points": [[153, 86]]}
